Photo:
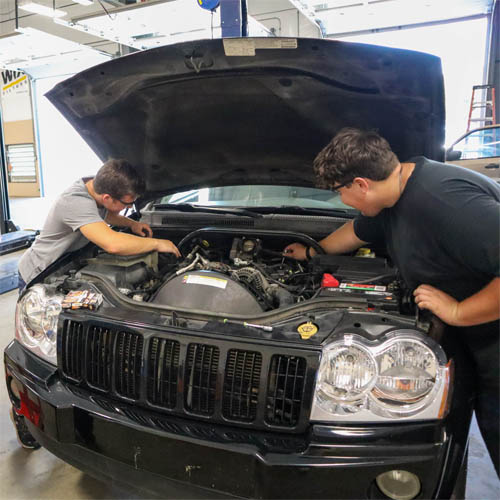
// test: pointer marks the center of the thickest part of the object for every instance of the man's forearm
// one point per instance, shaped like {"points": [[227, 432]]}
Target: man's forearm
{"points": [[343, 240], [129, 244], [119, 220], [482, 307]]}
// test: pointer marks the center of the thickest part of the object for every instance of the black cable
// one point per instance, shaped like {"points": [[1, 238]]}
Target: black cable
{"points": [[375, 278]]}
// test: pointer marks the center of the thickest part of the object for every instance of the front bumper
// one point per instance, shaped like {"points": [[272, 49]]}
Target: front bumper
{"points": [[182, 458]]}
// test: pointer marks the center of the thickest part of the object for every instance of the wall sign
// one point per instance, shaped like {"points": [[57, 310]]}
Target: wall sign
{"points": [[15, 96]]}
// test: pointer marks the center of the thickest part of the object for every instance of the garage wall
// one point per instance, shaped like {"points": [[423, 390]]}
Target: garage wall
{"points": [[63, 156], [19, 137]]}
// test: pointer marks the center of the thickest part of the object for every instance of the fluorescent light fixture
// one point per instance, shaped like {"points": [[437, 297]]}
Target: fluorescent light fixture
{"points": [[84, 2], [45, 54], [43, 10]]}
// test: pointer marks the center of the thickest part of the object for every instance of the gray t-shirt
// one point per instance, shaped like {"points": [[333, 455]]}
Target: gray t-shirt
{"points": [[73, 209]]}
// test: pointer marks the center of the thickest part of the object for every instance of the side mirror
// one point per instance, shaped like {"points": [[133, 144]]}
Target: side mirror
{"points": [[453, 155]]}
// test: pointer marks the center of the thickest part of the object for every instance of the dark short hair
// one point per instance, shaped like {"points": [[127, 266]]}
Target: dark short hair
{"points": [[118, 178], [354, 153]]}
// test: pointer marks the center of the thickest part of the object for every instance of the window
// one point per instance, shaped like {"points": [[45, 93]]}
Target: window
{"points": [[21, 161], [481, 143]]}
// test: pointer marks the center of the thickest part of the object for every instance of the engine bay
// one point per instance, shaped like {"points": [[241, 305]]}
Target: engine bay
{"points": [[247, 274]]}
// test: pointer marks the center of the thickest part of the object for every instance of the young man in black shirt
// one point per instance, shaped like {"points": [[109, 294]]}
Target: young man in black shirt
{"points": [[440, 224]]}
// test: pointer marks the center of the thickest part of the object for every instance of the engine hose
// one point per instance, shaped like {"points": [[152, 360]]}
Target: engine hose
{"points": [[189, 267], [284, 297]]}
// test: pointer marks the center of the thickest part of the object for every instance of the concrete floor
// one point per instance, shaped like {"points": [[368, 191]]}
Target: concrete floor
{"points": [[39, 474]]}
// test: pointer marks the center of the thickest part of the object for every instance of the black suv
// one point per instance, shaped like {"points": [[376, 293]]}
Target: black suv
{"points": [[236, 371]]}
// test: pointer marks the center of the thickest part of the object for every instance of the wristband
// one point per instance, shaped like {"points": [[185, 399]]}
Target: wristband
{"points": [[308, 254]]}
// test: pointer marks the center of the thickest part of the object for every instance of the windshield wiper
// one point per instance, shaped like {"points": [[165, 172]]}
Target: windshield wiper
{"points": [[188, 207], [297, 210]]}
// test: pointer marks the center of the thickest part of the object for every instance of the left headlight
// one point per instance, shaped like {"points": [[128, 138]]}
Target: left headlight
{"points": [[404, 375], [37, 314]]}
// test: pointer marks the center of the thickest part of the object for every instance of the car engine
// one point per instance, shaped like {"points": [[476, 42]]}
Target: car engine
{"points": [[248, 275]]}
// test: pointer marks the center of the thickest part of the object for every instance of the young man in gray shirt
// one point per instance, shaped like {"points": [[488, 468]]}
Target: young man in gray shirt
{"points": [[82, 214]]}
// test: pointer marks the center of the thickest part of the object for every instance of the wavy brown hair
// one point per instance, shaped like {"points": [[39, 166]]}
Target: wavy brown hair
{"points": [[118, 178], [354, 153]]}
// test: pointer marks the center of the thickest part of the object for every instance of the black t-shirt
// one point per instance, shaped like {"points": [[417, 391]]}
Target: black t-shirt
{"points": [[444, 229]]}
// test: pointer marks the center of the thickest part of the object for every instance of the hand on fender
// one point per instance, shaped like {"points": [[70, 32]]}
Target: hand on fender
{"points": [[440, 303]]}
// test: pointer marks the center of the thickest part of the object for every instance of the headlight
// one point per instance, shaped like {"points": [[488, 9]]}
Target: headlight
{"points": [[404, 375], [348, 373], [37, 314]]}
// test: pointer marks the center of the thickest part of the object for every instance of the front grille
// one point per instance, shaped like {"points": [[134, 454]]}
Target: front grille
{"points": [[163, 372], [200, 378], [73, 341], [284, 395], [99, 347], [247, 387], [128, 362], [241, 385]]}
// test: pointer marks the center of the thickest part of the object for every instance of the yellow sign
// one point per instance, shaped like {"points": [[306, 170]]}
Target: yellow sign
{"points": [[307, 330], [15, 82]]}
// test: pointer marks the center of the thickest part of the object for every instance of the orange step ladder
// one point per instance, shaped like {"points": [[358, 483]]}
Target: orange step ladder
{"points": [[483, 99]]}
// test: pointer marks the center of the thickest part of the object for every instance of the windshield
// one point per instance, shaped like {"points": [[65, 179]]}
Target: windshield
{"points": [[258, 196]]}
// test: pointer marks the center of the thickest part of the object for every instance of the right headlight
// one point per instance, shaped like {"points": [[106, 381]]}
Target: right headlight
{"points": [[403, 376], [37, 314]]}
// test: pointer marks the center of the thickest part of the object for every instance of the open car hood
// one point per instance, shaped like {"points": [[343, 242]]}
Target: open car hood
{"points": [[251, 110]]}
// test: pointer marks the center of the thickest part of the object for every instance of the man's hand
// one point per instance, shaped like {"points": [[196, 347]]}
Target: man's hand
{"points": [[441, 304], [167, 246], [482, 307], [295, 251], [141, 229]]}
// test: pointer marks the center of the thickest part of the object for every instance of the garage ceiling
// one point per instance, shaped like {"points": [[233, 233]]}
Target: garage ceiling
{"points": [[353, 16], [114, 27]]}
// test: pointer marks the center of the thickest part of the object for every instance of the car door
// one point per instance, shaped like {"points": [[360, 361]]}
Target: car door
{"points": [[478, 150]]}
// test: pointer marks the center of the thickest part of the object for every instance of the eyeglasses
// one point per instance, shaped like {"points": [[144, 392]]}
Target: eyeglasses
{"points": [[344, 184], [128, 204]]}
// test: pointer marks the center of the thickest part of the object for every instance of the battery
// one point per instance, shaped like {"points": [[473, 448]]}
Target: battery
{"points": [[376, 296]]}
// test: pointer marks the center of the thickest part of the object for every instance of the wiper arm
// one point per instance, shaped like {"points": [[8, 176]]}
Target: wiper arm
{"points": [[188, 207]]}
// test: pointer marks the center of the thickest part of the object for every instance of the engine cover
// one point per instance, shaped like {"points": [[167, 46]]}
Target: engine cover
{"points": [[207, 291]]}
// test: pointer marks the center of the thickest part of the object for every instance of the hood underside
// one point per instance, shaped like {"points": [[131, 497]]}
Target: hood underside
{"points": [[194, 115]]}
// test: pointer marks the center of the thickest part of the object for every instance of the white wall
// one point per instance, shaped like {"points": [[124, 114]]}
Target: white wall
{"points": [[63, 157]]}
